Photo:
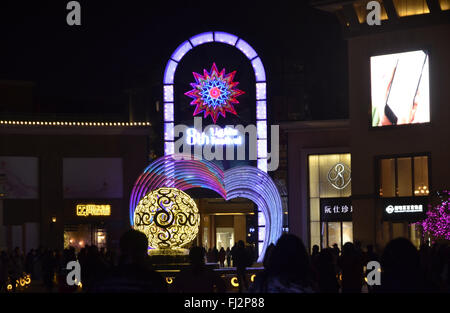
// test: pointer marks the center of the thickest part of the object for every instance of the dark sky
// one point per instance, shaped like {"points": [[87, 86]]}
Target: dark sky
{"points": [[125, 44]]}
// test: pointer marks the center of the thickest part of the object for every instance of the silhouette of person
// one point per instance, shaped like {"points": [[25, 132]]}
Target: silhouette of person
{"points": [[222, 255], [401, 271], [198, 278], [352, 265], [134, 274], [288, 269], [326, 268], [228, 253], [241, 260]]}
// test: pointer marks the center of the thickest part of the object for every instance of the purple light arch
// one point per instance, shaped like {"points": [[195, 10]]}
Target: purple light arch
{"points": [[185, 172]]}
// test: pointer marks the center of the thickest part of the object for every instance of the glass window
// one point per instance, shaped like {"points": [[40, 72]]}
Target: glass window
{"points": [[387, 188], [404, 172], [314, 176], [314, 210], [315, 233], [421, 176], [329, 177], [347, 232], [398, 230], [404, 177], [334, 233], [324, 235]]}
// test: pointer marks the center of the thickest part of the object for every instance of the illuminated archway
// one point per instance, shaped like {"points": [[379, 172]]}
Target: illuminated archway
{"points": [[260, 78], [243, 181]]}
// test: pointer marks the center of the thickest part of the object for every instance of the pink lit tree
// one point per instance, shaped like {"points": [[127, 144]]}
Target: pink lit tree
{"points": [[437, 223]]}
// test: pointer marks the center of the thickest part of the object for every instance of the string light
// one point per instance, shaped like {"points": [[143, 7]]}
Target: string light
{"points": [[60, 123]]}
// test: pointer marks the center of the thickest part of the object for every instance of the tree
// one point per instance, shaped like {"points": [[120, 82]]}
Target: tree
{"points": [[437, 223]]}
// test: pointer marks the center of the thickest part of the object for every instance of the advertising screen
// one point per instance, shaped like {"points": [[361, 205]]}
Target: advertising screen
{"points": [[400, 88]]}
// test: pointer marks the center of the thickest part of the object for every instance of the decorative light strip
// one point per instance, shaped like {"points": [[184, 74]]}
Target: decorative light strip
{"points": [[220, 37], [202, 38], [181, 51], [225, 38], [254, 184], [185, 172], [246, 49], [258, 67], [46, 123]]}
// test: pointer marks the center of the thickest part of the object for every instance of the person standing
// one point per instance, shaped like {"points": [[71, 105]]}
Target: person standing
{"points": [[228, 253], [206, 280], [222, 255], [352, 266], [241, 262]]}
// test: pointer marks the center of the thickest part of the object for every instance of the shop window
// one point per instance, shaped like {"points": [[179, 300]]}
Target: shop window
{"points": [[347, 232], [403, 177], [224, 237], [404, 185], [421, 176], [387, 176], [329, 177]]}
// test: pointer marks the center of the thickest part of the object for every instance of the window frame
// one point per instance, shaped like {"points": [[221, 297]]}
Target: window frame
{"points": [[399, 156]]}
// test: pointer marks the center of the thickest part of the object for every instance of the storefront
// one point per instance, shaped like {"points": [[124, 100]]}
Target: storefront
{"points": [[222, 223], [403, 195], [88, 223], [67, 183], [330, 206]]}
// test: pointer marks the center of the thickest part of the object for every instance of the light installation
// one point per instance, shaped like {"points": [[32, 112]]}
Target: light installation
{"points": [[437, 223], [214, 93], [168, 216], [184, 172], [260, 77], [218, 37]]}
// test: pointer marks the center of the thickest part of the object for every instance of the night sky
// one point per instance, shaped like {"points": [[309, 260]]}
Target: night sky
{"points": [[125, 44]]}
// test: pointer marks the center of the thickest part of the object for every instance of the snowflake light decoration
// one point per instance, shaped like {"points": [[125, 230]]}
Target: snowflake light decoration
{"points": [[214, 93]]}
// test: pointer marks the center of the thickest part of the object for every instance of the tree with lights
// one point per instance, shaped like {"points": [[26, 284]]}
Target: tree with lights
{"points": [[437, 223]]}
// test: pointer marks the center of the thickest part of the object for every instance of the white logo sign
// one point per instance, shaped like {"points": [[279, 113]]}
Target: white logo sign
{"points": [[215, 136], [404, 208], [339, 176]]}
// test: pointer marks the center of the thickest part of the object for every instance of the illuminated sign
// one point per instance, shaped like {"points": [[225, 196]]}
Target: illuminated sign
{"points": [[335, 209], [93, 210], [215, 136], [405, 208], [400, 88], [339, 176]]}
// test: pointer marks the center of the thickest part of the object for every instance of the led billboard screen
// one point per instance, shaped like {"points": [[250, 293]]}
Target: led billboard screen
{"points": [[400, 88]]}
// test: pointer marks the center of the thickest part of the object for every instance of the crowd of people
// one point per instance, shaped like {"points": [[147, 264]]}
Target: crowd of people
{"points": [[288, 268]]}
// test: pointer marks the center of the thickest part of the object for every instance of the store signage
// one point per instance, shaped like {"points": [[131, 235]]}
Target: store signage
{"points": [[405, 208], [339, 176], [93, 210], [335, 209], [214, 136]]}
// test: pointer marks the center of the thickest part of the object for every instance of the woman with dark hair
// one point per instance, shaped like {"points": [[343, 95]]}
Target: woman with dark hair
{"points": [[288, 269]]}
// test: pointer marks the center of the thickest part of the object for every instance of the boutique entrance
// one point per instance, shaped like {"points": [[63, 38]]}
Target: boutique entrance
{"points": [[81, 235], [223, 223]]}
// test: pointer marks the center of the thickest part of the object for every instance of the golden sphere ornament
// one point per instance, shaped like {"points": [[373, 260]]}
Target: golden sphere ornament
{"points": [[169, 217]]}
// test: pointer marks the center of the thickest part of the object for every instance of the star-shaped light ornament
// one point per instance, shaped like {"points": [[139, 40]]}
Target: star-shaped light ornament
{"points": [[214, 93]]}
